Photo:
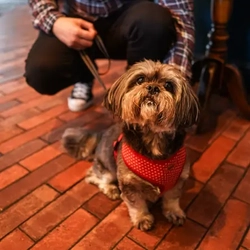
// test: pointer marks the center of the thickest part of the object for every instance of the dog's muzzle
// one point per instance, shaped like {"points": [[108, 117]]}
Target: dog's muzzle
{"points": [[153, 90]]}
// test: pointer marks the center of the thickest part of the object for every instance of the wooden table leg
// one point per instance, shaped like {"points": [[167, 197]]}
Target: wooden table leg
{"points": [[213, 73]]}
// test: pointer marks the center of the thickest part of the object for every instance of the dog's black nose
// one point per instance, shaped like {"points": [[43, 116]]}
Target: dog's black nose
{"points": [[153, 90]]}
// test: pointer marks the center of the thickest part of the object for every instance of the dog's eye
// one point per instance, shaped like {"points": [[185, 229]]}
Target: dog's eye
{"points": [[140, 80], [169, 86]]}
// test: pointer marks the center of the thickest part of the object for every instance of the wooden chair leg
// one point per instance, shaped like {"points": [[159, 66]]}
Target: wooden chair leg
{"points": [[207, 86], [233, 81]]}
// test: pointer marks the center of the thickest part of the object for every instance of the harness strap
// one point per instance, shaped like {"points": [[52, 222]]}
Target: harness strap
{"points": [[116, 144]]}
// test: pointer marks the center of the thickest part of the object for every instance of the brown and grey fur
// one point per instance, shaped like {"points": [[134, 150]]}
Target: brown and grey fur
{"points": [[153, 124]]}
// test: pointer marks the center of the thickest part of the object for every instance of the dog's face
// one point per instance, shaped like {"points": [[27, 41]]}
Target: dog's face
{"points": [[154, 95]]}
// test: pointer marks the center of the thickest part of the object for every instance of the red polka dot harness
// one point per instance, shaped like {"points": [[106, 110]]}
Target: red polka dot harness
{"points": [[161, 173]]}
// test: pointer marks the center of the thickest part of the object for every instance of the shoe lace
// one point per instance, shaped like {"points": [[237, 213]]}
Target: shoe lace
{"points": [[81, 90]]}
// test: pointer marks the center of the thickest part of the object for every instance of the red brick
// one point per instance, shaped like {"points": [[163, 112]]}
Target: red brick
{"points": [[100, 123], [223, 122], [202, 141], [8, 132], [68, 116], [108, 232], [14, 95], [212, 158], [41, 157], [64, 93], [100, 205], [198, 142], [19, 153], [229, 228], [243, 190], [33, 180], [13, 120], [28, 96], [185, 237], [240, 155], [23, 209], [151, 239], [246, 242], [52, 102], [191, 189], [48, 218], [193, 155], [118, 68], [10, 87], [237, 128], [43, 117], [210, 200], [11, 175], [11, 55], [68, 232], [29, 135], [8, 105], [9, 71], [25, 106], [16, 240], [70, 176], [126, 244], [56, 134]]}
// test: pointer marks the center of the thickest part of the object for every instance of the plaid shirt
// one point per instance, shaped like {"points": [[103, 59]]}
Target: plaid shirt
{"points": [[46, 12]]}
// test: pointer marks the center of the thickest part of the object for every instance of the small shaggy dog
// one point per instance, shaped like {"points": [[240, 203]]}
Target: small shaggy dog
{"points": [[142, 158]]}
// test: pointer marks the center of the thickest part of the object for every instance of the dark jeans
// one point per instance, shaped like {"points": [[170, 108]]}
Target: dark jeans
{"points": [[140, 30]]}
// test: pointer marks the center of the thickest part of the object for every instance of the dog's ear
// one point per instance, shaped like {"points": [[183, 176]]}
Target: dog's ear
{"points": [[113, 99], [106, 102], [187, 108]]}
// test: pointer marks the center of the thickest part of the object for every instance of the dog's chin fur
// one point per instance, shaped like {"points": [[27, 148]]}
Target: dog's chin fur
{"points": [[154, 116], [148, 112]]}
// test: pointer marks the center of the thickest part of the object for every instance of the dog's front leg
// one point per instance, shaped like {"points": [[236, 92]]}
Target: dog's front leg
{"points": [[137, 208], [104, 179], [171, 200]]}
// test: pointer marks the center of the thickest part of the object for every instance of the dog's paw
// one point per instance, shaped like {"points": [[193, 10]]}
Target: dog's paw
{"points": [[177, 217], [145, 223], [112, 191]]}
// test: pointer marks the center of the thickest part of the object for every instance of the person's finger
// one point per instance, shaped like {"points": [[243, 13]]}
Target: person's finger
{"points": [[78, 43], [82, 44], [85, 43], [86, 34], [93, 32], [86, 25]]}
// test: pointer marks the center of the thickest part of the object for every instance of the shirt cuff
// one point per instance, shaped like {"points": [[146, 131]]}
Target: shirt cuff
{"points": [[47, 21]]}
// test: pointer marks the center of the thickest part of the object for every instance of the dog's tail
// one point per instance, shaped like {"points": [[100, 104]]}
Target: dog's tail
{"points": [[79, 143]]}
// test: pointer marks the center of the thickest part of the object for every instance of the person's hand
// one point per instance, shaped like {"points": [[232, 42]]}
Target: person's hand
{"points": [[76, 33]]}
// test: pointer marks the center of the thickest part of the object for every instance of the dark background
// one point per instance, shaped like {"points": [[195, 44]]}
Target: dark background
{"points": [[239, 31]]}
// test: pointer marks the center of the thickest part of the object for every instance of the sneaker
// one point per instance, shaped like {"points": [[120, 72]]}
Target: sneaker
{"points": [[81, 97]]}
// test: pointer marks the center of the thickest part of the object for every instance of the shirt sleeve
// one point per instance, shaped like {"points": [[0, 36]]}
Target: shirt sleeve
{"points": [[181, 54], [45, 13]]}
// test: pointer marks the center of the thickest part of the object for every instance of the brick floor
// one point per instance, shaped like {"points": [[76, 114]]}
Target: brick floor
{"points": [[45, 204]]}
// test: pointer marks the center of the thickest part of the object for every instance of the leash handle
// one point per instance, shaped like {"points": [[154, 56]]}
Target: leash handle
{"points": [[91, 65], [103, 49]]}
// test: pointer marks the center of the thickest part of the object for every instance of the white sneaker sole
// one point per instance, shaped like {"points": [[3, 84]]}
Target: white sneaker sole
{"points": [[76, 105]]}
